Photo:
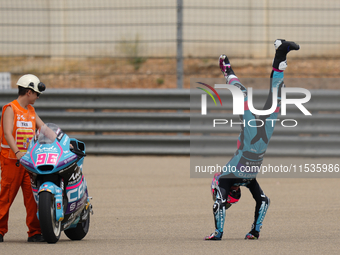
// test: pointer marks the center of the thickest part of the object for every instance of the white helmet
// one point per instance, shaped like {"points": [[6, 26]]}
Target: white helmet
{"points": [[31, 81]]}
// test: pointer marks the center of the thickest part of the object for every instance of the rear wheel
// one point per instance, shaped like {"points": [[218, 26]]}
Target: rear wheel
{"points": [[80, 231], [50, 227]]}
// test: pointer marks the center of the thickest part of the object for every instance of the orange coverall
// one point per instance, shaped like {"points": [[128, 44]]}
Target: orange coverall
{"points": [[13, 177]]}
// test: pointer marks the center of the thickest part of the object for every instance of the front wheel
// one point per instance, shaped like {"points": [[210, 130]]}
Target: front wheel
{"points": [[50, 227], [80, 231]]}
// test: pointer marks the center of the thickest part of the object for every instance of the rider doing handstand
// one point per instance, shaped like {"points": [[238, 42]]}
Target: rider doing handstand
{"points": [[251, 147]]}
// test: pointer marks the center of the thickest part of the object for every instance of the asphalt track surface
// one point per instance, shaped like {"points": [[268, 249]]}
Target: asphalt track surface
{"points": [[150, 205]]}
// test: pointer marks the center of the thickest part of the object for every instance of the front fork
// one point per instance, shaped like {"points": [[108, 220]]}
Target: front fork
{"points": [[57, 193]]}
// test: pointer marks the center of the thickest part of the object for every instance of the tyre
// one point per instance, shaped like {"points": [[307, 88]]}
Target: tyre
{"points": [[80, 231], [50, 228]]}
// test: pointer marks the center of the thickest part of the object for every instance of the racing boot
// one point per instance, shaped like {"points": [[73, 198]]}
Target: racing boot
{"points": [[282, 48], [253, 234], [219, 208], [216, 236]]}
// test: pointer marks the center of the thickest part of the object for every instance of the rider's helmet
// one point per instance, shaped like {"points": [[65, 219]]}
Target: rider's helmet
{"points": [[234, 192], [31, 81], [234, 195]]}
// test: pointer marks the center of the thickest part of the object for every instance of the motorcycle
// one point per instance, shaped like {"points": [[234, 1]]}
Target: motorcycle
{"points": [[55, 162]]}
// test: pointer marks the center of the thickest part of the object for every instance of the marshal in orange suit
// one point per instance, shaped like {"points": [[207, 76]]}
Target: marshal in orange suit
{"points": [[18, 124]]}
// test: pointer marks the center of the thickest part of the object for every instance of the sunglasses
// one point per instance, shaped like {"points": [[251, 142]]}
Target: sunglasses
{"points": [[38, 94]]}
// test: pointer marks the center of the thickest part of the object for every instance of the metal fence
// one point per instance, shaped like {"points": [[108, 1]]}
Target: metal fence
{"points": [[139, 30], [149, 28], [158, 122]]}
